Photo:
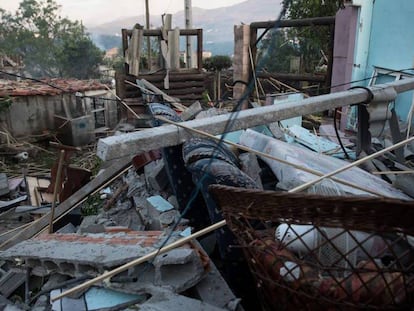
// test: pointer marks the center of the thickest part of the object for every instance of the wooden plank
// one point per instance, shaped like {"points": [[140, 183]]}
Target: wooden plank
{"points": [[153, 88], [65, 207]]}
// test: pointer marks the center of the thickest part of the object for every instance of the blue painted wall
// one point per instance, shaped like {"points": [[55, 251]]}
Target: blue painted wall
{"points": [[391, 42]]}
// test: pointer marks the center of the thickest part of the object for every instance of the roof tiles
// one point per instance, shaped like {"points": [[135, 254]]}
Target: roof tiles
{"points": [[48, 87]]}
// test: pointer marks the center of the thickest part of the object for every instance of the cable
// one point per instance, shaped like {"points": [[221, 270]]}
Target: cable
{"points": [[230, 121]]}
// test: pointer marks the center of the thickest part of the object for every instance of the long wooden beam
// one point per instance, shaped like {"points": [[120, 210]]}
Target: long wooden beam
{"points": [[169, 135], [314, 21]]}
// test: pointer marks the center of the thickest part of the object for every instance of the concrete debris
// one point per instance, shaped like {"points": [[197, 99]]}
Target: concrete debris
{"points": [[134, 211], [92, 254], [4, 184], [150, 299], [192, 111], [290, 177], [10, 281], [250, 166], [156, 175]]}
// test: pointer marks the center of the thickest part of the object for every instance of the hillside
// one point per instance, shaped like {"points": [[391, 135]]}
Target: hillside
{"points": [[217, 24]]}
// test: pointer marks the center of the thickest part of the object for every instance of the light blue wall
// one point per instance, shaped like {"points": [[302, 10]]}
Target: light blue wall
{"points": [[362, 40], [392, 34], [391, 43]]}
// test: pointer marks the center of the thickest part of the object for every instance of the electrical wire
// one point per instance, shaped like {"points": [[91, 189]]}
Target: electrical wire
{"points": [[227, 129]]}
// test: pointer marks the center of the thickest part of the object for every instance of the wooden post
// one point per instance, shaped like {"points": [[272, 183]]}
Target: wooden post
{"points": [[147, 22], [199, 49], [174, 48], [189, 25], [241, 62], [58, 185], [125, 47]]}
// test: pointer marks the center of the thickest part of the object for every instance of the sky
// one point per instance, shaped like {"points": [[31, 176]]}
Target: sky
{"points": [[95, 12]]}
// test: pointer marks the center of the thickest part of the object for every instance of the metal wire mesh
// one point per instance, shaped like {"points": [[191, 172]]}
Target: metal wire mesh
{"points": [[308, 251]]}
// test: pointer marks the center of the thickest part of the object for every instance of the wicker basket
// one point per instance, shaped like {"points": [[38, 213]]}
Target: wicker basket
{"points": [[312, 252]]}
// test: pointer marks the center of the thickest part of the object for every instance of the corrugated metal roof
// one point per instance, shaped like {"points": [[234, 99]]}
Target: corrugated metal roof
{"points": [[50, 87]]}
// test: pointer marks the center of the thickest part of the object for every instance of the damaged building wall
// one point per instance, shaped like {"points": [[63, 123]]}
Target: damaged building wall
{"points": [[392, 44], [38, 114], [31, 115], [374, 34]]}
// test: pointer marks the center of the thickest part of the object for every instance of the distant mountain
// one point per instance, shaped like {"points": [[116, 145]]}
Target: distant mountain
{"points": [[217, 24]]}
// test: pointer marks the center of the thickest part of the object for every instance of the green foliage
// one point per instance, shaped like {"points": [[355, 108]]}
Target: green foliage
{"points": [[49, 44], [277, 48], [5, 103], [312, 40], [91, 205], [217, 63], [297, 9], [276, 51]]}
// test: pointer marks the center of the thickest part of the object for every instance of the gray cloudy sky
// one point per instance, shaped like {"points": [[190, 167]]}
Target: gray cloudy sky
{"points": [[94, 12]]}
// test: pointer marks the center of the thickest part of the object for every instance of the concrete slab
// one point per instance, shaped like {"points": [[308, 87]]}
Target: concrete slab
{"points": [[92, 254]]}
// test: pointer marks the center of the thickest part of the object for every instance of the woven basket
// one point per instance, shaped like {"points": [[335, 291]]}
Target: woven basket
{"points": [[312, 252]]}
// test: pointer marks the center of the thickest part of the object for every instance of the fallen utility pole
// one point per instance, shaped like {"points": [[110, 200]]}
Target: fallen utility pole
{"points": [[168, 135]]}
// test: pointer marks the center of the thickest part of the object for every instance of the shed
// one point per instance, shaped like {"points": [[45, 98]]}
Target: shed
{"points": [[74, 109]]}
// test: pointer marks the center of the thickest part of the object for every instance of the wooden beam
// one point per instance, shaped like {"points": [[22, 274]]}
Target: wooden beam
{"points": [[304, 22], [157, 32], [169, 135], [100, 181], [292, 76]]}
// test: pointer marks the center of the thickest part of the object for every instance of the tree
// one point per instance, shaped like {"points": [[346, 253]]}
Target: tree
{"points": [[306, 42], [50, 45], [276, 51], [312, 40], [217, 63]]}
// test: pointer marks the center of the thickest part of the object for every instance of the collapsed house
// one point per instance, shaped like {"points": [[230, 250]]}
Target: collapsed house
{"points": [[314, 229]]}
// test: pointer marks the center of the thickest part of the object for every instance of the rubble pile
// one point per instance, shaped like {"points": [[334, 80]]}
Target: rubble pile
{"points": [[137, 205]]}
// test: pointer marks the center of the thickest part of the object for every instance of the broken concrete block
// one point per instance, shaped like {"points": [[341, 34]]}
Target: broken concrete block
{"points": [[10, 281], [156, 175], [173, 200], [69, 228], [192, 111], [136, 184], [160, 204], [152, 209], [4, 184], [250, 166], [179, 268], [168, 218], [90, 224], [92, 254]]}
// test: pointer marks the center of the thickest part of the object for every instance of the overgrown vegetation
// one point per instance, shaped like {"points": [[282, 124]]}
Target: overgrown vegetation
{"points": [[51, 46]]}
